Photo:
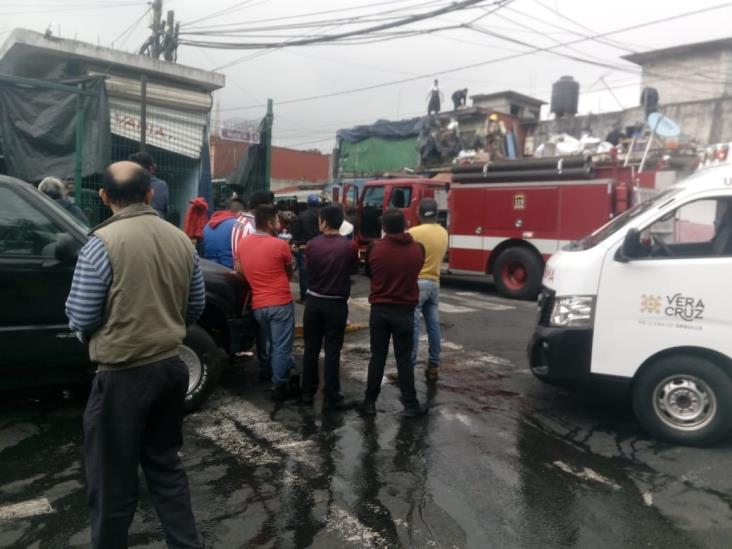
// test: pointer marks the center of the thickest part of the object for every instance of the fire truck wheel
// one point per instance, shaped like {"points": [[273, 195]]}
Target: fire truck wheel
{"points": [[517, 273], [684, 399]]}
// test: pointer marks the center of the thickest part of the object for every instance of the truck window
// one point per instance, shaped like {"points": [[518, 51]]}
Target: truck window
{"points": [[702, 228], [24, 230], [352, 197], [401, 197], [373, 206], [373, 197]]}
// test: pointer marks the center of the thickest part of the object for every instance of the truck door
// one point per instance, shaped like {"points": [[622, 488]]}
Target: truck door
{"points": [[33, 285], [674, 295], [402, 197], [372, 206], [467, 251]]}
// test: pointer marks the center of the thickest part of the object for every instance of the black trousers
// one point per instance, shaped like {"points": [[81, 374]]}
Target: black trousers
{"points": [[134, 417], [392, 322], [324, 324]]}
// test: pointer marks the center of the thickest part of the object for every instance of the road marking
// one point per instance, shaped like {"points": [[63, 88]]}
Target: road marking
{"points": [[586, 474], [454, 309], [228, 430], [353, 530], [484, 304], [25, 509]]}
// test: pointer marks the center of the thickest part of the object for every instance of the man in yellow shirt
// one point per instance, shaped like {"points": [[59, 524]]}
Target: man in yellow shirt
{"points": [[434, 239]]}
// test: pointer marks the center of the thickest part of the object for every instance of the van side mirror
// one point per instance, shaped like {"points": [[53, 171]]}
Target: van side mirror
{"points": [[67, 248], [631, 248]]}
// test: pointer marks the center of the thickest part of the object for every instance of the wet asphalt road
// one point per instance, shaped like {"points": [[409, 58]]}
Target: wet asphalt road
{"points": [[499, 461]]}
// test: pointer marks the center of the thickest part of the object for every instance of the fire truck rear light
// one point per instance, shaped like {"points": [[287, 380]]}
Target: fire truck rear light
{"points": [[722, 153]]}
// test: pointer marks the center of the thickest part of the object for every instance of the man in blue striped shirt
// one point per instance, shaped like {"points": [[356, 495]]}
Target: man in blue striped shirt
{"points": [[136, 286]]}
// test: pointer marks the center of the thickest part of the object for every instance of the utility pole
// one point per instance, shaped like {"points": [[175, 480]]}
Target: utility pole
{"points": [[170, 41], [157, 7]]}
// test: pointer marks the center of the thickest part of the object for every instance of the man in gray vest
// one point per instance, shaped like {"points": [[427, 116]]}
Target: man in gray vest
{"points": [[137, 284]]}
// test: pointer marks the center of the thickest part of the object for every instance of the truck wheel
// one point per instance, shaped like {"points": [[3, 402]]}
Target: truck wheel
{"points": [[204, 361], [517, 273], [684, 399]]}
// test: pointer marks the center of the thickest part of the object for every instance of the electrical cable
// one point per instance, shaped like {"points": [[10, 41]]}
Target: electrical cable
{"points": [[457, 6], [494, 60], [129, 30], [325, 12]]}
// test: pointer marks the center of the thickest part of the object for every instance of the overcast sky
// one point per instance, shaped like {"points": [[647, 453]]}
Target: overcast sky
{"points": [[293, 73]]}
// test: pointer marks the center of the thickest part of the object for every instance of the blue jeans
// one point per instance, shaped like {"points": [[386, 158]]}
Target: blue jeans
{"points": [[302, 275], [428, 306], [277, 325]]}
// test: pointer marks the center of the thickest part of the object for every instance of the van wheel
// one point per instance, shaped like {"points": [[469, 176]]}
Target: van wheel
{"points": [[204, 361], [684, 399], [517, 273]]}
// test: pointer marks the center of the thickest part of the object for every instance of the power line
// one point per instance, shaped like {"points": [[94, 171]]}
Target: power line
{"points": [[75, 8], [219, 13], [325, 12], [457, 6], [131, 28], [495, 60]]}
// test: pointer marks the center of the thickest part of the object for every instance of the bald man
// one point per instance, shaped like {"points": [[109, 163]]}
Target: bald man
{"points": [[136, 286]]}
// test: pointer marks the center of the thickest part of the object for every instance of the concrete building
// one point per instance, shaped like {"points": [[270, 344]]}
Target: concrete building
{"points": [[692, 72], [178, 100], [694, 84], [524, 107]]}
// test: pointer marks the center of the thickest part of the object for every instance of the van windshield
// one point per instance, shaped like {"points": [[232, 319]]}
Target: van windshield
{"points": [[621, 221]]}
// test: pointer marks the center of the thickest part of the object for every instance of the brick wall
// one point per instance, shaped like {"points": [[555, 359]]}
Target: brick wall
{"points": [[287, 164]]}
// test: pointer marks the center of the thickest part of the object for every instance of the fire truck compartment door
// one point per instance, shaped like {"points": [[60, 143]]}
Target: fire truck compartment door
{"points": [[467, 243]]}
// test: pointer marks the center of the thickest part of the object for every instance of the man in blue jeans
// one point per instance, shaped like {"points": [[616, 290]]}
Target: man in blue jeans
{"points": [[266, 263], [434, 239]]}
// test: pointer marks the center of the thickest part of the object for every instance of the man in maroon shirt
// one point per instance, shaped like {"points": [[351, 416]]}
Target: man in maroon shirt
{"points": [[329, 259], [394, 263]]}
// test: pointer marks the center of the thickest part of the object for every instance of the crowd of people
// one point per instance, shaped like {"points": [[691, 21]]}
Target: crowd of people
{"points": [[134, 315]]}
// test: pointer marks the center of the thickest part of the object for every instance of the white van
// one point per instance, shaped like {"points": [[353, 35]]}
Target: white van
{"points": [[645, 304]]}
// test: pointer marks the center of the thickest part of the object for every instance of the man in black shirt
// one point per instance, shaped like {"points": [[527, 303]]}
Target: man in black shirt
{"points": [[330, 259], [304, 231]]}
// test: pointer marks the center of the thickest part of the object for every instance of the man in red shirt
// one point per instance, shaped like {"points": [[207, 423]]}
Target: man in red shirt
{"points": [[393, 264], [266, 263]]}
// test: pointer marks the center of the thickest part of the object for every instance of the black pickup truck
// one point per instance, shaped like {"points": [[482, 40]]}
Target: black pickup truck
{"points": [[39, 245]]}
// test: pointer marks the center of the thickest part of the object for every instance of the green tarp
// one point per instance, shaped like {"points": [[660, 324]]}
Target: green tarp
{"points": [[376, 155], [38, 129]]}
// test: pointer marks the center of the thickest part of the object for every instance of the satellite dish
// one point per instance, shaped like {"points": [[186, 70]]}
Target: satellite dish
{"points": [[663, 125]]}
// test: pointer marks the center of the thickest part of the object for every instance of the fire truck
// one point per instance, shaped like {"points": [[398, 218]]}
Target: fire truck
{"points": [[507, 218]]}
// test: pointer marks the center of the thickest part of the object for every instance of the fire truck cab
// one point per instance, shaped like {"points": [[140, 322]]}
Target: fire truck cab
{"points": [[369, 203], [643, 304]]}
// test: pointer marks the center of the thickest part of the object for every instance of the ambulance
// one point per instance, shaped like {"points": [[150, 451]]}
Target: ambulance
{"points": [[644, 304]]}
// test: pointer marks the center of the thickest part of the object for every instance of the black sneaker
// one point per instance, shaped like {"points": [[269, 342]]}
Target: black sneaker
{"points": [[338, 405], [280, 392], [307, 399], [413, 411], [367, 408], [294, 385]]}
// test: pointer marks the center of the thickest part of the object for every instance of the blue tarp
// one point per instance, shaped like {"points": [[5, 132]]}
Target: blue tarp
{"points": [[383, 128]]}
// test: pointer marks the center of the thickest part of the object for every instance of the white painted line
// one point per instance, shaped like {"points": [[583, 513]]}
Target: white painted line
{"points": [[586, 474], [454, 309], [25, 509], [352, 530], [484, 304]]}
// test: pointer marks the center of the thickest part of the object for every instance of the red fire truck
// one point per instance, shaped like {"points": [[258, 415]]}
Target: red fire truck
{"points": [[505, 220]]}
